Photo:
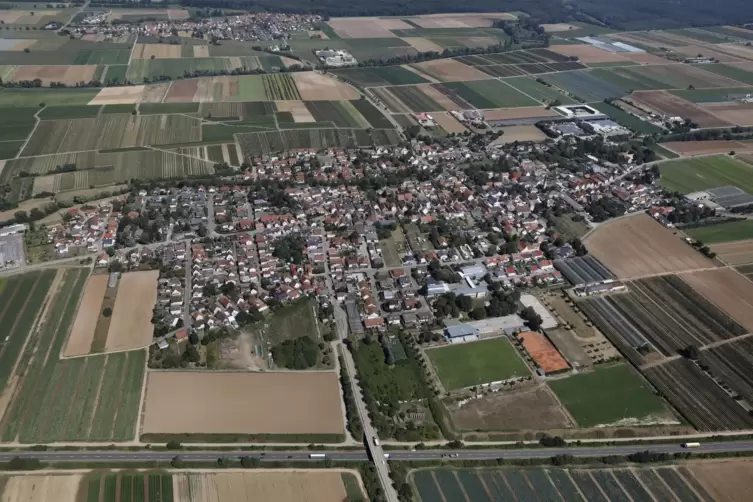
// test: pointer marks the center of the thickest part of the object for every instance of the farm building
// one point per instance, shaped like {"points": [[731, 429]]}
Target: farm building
{"points": [[583, 270], [461, 333], [546, 357]]}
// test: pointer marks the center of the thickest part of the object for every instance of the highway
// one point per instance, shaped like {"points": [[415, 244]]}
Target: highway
{"points": [[106, 456]]}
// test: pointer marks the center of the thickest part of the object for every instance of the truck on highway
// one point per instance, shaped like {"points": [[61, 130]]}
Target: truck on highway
{"points": [[376, 441], [317, 455], [690, 445]]}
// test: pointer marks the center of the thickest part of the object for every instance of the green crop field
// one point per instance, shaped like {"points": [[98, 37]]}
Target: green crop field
{"points": [[91, 398], [372, 77], [68, 112], [692, 175], [473, 363], [489, 94], [625, 119], [280, 87], [118, 109], [415, 99], [724, 70], [536, 90], [277, 141], [711, 95], [340, 113], [106, 56], [9, 149], [372, 114], [607, 395], [723, 232], [34, 97], [168, 108]]}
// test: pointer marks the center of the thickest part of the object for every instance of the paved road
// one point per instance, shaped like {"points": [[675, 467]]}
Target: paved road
{"points": [[404, 455]]}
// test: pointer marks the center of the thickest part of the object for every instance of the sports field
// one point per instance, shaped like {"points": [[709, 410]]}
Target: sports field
{"points": [[473, 363], [608, 395], [724, 232], [692, 175]]}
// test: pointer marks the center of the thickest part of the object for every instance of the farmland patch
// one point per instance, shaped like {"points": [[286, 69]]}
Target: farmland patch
{"points": [[131, 325], [446, 70], [277, 141], [488, 94], [536, 90], [82, 332], [639, 246], [248, 404], [584, 85], [728, 290], [371, 77], [691, 175], [735, 253], [314, 86]]}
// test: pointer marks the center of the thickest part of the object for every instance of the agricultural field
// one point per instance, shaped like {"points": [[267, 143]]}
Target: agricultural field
{"points": [[28, 97], [280, 87], [670, 104], [131, 326], [276, 141], [407, 99], [726, 289], [112, 131], [521, 409], [449, 70], [584, 85], [692, 482], [734, 253], [85, 399], [699, 148], [480, 362], [655, 77], [313, 485], [87, 317], [538, 91], [723, 232], [639, 246], [609, 395], [141, 69], [487, 94], [699, 399], [248, 406], [339, 113], [376, 77], [692, 175], [668, 313]]}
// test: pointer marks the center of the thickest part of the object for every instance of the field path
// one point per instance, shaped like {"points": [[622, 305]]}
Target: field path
{"points": [[23, 147]]}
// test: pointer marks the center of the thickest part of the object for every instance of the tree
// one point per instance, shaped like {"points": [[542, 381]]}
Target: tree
{"points": [[191, 354], [250, 462], [478, 313], [533, 320], [193, 339], [173, 445], [107, 312], [464, 303], [110, 251]]}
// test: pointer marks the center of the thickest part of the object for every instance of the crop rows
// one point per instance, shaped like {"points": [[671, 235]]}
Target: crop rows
{"points": [[340, 113], [20, 302], [502, 70], [524, 485], [280, 87], [732, 363], [111, 132], [278, 141], [237, 109], [698, 397], [129, 487]]}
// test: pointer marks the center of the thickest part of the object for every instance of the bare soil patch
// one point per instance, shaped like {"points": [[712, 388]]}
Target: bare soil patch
{"points": [[437, 96], [423, 44], [735, 253], [297, 108], [243, 403], [282, 486], [41, 488], [69, 75], [674, 106], [519, 113], [691, 148], [361, 27], [131, 326], [736, 50], [288, 62], [728, 290], [639, 246], [448, 122], [178, 14], [737, 113], [157, 51], [521, 133], [587, 53], [131, 94], [314, 86], [447, 70], [524, 409], [82, 333], [727, 480], [182, 91], [155, 93]]}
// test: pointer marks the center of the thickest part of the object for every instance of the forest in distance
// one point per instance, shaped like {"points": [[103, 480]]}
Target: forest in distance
{"points": [[617, 14]]}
